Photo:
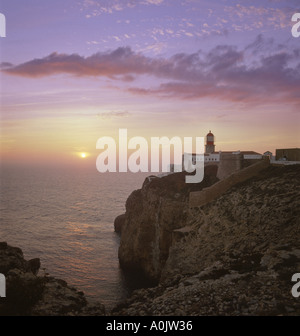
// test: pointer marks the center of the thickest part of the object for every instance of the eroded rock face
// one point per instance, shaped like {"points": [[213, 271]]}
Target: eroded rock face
{"points": [[27, 293], [119, 223], [238, 256], [218, 290], [243, 224], [152, 213]]}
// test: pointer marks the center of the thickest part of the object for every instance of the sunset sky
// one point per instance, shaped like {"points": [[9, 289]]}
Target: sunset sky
{"points": [[73, 71]]}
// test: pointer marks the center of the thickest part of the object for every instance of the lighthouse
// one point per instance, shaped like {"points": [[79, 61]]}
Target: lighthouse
{"points": [[210, 143]]}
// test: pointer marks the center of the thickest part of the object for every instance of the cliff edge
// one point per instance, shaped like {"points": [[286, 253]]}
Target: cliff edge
{"points": [[152, 214], [235, 255]]}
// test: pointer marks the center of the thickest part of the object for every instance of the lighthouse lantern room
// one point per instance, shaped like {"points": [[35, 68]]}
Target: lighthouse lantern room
{"points": [[210, 143]]}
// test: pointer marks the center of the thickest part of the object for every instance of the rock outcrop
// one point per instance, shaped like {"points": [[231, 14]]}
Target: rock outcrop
{"points": [[119, 223], [28, 293], [152, 214], [234, 256]]}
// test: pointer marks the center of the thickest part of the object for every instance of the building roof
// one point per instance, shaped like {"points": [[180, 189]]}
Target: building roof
{"points": [[242, 152], [230, 152], [249, 153], [295, 148]]}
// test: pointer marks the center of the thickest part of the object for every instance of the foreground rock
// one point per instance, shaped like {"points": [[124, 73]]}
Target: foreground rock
{"points": [[234, 256], [27, 293]]}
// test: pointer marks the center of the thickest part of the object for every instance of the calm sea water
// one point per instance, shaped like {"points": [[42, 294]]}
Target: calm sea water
{"points": [[65, 218]]}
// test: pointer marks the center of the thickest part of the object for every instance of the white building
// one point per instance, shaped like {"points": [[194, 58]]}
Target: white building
{"points": [[213, 157]]}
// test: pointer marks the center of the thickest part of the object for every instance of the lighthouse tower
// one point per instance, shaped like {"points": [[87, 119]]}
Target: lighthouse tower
{"points": [[210, 143]]}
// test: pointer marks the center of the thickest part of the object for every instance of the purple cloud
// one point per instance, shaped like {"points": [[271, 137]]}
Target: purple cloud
{"points": [[222, 73]]}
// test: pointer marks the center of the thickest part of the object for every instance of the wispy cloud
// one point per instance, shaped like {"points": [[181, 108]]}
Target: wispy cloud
{"points": [[113, 114], [247, 18], [224, 72], [98, 7], [152, 2], [156, 48], [198, 21]]}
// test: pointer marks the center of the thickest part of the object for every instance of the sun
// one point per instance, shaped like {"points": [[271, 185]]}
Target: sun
{"points": [[81, 155]]}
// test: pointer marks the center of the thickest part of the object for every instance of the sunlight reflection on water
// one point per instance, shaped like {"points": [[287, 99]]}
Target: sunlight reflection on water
{"points": [[66, 220]]}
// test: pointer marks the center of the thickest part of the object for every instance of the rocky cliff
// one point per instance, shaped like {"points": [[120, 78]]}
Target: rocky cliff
{"points": [[28, 293], [233, 256], [152, 214]]}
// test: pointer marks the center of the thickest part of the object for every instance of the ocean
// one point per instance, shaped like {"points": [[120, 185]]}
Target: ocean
{"points": [[65, 217]]}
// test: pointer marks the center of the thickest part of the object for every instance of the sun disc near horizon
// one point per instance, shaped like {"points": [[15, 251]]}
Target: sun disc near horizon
{"points": [[83, 155]]}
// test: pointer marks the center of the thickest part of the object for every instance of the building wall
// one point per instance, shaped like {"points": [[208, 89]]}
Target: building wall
{"points": [[229, 163], [252, 157], [212, 158], [199, 198], [209, 148], [291, 154]]}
